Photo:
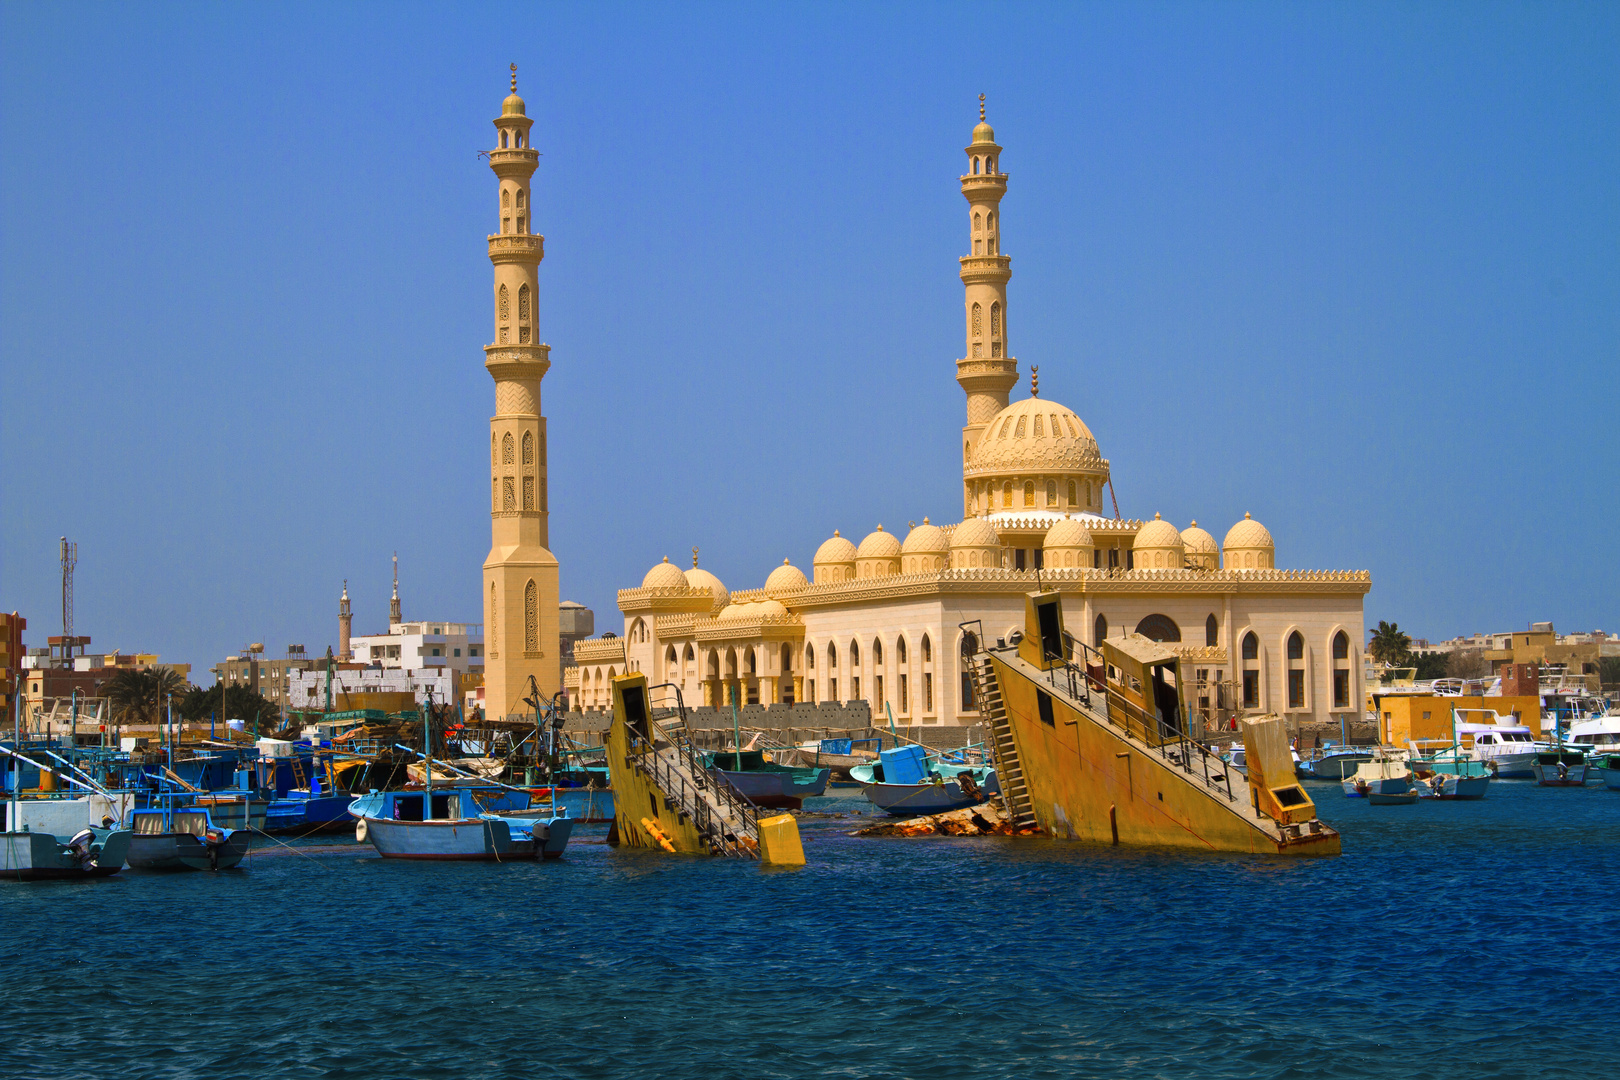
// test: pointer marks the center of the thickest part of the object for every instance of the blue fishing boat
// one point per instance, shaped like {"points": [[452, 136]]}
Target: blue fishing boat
{"points": [[764, 782], [450, 824], [40, 856], [581, 804], [1608, 768], [173, 837], [1332, 762], [906, 782]]}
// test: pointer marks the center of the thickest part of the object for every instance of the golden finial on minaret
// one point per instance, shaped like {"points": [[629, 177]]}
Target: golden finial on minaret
{"points": [[981, 106], [694, 558], [514, 84], [1035, 380]]}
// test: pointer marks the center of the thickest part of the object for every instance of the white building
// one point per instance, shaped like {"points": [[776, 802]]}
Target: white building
{"points": [[412, 646], [307, 689]]}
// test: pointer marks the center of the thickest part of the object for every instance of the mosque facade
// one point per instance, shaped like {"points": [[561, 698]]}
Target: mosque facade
{"points": [[890, 620]]}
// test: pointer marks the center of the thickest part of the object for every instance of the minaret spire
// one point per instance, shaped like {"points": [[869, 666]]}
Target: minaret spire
{"points": [[987, 372], [520, 574], [393, 605], [345, 622]]}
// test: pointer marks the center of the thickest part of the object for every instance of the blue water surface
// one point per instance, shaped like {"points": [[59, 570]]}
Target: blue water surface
{"points": [[1449, 940]]}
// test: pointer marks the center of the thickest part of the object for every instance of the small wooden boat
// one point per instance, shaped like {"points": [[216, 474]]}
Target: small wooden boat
{"points": [[906, 782], [765, 783], [839, 755], [174, 838], [1560, 768], [1380, 776], [449, 824], [40, 856], [1379, 798]]}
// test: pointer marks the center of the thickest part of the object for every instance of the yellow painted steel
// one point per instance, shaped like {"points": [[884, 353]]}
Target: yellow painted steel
{"points": [[1270, 764], [1087, 781], [779, 843], [637, 801]]}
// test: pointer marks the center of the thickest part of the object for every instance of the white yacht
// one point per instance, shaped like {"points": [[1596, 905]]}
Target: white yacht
{"points": [[1596, 734], [1501, 742]]}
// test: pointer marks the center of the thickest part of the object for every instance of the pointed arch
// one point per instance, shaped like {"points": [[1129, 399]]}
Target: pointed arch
{"points": [[507, 453], [523, 301], [531, 617], [927, 649], [505, 305], [1212, 631], [528, 448], [978, 320]]}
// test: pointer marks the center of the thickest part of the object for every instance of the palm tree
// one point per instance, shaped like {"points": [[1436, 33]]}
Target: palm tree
{"points": [[1390, 646], [138, 695]]}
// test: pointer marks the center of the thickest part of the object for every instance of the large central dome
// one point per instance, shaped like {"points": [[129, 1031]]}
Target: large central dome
{"points": [[1035, 436]]}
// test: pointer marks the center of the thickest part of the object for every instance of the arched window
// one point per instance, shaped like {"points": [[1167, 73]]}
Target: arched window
{"points": [[506, 449], [978, 222], [1051, 493], [970, 644], [528, 493], [751, 661], [1161, 628], [1006, 491], [975, 166], [1251, 671], [990, 220], [1212, 632], [854, 653], [990, 165], [520, 199], [528, 448], [523, 302], [1341, 670], [1341, 646], [1088, 492], [508, 493], [995, 319], [531, 618], [1039, 431], [877, 650], [1251, 646], [494, 623], [518, 139], [505, 135], [1029, 493], [1072, 493], [1018, 432], [505, 304], [1101, 629], [810, 658], [832, 656], [1296, 670], [506, 199], [978, 321], [928, 649], [900, 648]]}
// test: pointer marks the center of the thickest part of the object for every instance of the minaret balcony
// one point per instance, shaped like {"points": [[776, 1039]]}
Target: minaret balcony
{"points": [[515, 162], [525, 248], [985, 187], [517, 361], [986, 269]]}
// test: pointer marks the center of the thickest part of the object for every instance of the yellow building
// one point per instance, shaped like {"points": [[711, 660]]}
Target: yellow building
{"points": [[520, 575], [882, 620], [1428, 716]]}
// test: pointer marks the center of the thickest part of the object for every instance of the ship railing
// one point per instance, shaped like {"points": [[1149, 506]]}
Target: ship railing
{"points": [[1083, 678], [735, 826]]}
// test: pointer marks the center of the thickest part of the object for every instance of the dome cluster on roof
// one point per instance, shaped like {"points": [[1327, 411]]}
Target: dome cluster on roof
{"points": [[1249, 546]]}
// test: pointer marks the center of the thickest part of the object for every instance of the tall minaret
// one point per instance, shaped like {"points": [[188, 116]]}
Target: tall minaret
{"points": [[988, 372], [520, 576], [394, 617], [345, 623]]}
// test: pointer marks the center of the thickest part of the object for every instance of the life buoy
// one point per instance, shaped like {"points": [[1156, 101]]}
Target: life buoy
{"points": [[360, 831]]}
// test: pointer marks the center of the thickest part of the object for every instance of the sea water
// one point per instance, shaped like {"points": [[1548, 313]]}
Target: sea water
{"points": [[1449, 940]]}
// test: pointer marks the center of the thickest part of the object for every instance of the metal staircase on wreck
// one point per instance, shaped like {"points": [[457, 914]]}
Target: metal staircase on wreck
{"points": [[727, 821], [1009, 769]]}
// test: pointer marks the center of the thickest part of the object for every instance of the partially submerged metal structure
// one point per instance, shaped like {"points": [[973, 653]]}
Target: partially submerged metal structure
{"points": [[1093, 744]]}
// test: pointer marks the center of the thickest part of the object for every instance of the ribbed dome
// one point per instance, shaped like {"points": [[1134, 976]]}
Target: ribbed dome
{"points": [[925, 538], [1157, 533], [1198, 542], [974, 533], [836, 550], [512, 106], [878, 545], [664, 575], [766, 607], [1068, 533], [1248, 533], [701, 579], [785, 580], [1033, 436]]}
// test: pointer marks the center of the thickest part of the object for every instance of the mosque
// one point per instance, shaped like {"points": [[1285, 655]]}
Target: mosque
{"points": [[882, 620]]}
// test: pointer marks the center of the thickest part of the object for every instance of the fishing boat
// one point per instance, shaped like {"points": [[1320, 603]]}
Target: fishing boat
{"points": [[171, 837], [839, 755], [585, 805], [1608, 767], [449, 824], [907, 782], [26, 855], [1461, 780], [1560, 768], [1380, 798], [764, 782], [1332, 762], [304, 811], [1502, 743], [1383, 775]]}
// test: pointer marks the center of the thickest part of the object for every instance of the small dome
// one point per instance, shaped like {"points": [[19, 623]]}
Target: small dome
{"points": [[925, 538], [733, 611], [760, 608], [512, 106], [835, 550], [1248, 533], [664, 575], [1198, 542], [983, 133], [878, 545], [785, 580], [1157, 533], [1068, 533], [701, 579], [973, 533]]}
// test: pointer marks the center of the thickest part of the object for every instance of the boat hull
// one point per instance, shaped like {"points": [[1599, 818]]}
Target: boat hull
{"points": [[490, 839], [1450, 786], [1560, 774], [184, 851], [1512, 766], [37, 856], [1360, 788], [1336, 767], [913, 800], [777, 789]]}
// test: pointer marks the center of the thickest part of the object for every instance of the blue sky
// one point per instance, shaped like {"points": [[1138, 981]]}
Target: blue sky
{"points": [[1354, 268]]}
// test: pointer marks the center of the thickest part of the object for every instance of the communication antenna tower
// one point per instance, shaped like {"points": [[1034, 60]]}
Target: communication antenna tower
{"points": [[70, 559]]}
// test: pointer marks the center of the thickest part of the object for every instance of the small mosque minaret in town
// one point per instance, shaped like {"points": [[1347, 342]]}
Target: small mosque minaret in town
{"points": [[345, 623], [521, 589], [394, 616]]}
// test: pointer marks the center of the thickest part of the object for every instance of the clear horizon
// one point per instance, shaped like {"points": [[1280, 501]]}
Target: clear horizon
{"points": [[1350, 268]]}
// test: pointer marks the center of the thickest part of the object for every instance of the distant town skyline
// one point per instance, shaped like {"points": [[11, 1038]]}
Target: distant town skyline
{"points": [[1349, 269]]}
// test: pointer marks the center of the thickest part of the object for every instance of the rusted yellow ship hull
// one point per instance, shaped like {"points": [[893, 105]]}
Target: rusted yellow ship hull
{"points": [[1086, 782]]}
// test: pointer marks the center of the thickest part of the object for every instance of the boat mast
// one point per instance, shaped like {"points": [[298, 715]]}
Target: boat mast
{"points": [[427, 755], [16, 766]]}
